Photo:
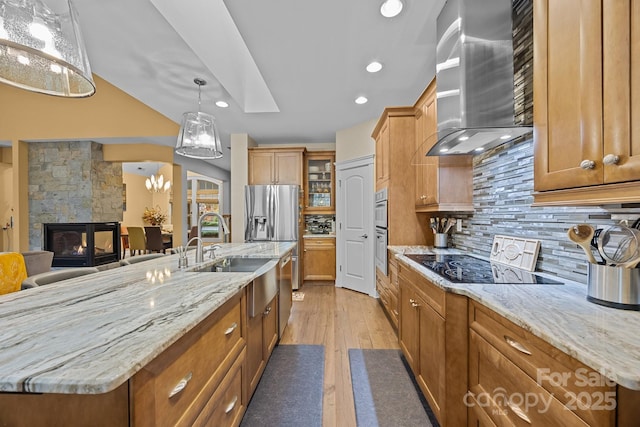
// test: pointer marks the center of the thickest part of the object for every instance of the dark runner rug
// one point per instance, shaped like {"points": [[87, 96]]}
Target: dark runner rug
{"points": [[385, 391], [290, 390]]}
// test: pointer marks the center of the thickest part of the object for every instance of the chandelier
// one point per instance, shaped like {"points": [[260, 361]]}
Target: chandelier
{"points": [[156, 183], [198, 137], [43, 51]]}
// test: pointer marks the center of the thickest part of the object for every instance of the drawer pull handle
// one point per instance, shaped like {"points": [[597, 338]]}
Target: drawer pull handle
{"points": [[519, 412], [611, 159], [515, 344], [231, 405], [587, 164], [181, 385], [413, 302], [267, 311], [231, 328], [396, 312]]}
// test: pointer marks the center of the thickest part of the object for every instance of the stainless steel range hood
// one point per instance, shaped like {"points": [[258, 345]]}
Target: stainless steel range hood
{"points": [[475, 77]]}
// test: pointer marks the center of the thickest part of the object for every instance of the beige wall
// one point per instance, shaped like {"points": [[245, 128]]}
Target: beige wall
{"points": [[139, 198], [6, 195], [239, 178], [355, 142]]}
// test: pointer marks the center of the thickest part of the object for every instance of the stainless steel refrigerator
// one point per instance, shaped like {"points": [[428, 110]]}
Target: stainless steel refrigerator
{"points": [[272, 214]]}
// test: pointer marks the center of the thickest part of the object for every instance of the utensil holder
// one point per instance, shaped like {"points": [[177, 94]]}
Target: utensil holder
{"points": [[440, 240], [616, 287]]}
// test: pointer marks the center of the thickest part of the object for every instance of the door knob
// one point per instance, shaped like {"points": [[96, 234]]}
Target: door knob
{"points": [[364, 236]]}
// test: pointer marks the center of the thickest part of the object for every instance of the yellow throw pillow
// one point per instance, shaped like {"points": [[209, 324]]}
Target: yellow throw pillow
{"points": [[12, 272]]}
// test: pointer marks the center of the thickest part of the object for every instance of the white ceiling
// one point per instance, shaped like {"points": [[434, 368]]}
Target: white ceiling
{"points": [[290, 69]]}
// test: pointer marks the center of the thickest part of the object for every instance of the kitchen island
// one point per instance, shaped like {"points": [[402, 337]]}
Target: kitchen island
{"points": [[524, 340], [89, 337]]}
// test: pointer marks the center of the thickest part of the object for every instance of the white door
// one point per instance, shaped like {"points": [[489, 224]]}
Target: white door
{"points": [[355, 236]]}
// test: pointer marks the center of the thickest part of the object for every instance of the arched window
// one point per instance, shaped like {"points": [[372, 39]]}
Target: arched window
{"points": [[204, 194]]}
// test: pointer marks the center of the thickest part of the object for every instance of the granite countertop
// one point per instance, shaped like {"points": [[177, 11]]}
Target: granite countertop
{"points": [[90, 334], [606, 339]]}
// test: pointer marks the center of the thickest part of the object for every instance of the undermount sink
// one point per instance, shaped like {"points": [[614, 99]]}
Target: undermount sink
{"points": [[261, 290], [238, 265]]}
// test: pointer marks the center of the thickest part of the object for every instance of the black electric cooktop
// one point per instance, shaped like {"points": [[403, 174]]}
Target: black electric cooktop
{"points": [[468, 269]]}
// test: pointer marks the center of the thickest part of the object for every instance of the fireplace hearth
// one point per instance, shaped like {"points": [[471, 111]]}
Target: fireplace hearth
{"points": [[84, 244]]}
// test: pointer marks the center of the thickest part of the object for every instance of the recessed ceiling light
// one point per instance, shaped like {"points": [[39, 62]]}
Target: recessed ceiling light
{"points": [[505, 137], [374, 67], [479, 149], [463, 138], [444, 150], [361, 100], [222, 104], [391, 8]]}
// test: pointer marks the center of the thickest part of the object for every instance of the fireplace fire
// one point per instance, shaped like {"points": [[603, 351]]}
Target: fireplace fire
{"points": [[82, 244]]}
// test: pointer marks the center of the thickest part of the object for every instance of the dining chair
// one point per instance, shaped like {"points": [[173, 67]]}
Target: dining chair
{"points": [[193, 233], [137, 240], [124, 238], [155, 242]]}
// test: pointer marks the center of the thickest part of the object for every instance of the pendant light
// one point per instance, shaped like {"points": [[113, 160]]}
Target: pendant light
{"points": [[198, 137], [43, 51]]}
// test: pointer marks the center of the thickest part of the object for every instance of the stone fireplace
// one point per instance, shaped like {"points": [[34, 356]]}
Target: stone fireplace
{"points": [[71, 183], [82, 244]]}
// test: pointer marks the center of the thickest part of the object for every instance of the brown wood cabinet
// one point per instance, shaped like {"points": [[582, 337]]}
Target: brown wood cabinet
{"points": [[319, 182], [186, 383], [433, 338], [319, 258], [441, 183], [174, 388], [275, 166], [262, 337], [397, 127], [586, 80], [387, 287], [506, 358]]}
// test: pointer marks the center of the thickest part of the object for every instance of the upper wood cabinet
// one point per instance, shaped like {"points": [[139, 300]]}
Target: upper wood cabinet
{"points": [[587, 103], [441, 183], [395, 135], [319, 182], [275, 166]]}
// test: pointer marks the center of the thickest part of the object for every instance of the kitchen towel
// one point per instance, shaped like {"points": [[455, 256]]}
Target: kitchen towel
{"points": [[384, 391], [290, 390]]}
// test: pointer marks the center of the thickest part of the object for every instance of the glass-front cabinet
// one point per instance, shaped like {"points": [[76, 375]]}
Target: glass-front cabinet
{"points": [[319, 182]]}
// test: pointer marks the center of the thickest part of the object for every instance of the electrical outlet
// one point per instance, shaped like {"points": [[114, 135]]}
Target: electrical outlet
{"points": [[459, 226]]}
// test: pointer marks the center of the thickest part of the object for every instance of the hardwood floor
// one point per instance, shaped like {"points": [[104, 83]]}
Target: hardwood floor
{"points": [[339, 319]]}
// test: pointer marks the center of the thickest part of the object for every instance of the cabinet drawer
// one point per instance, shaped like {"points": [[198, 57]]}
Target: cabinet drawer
{"points": [[174, 387], [548, 367], [432, 295], [226, 406], [509, 396]]}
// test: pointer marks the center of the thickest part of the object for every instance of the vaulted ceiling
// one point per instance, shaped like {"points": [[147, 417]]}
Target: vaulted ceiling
{"points": [[290, 70]]}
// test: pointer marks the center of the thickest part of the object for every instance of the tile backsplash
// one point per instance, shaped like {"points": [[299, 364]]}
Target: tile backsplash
{"points": [[319, 224], [502, 198]]}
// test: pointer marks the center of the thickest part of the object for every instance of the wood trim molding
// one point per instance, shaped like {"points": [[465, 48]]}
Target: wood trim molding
{"points": [[628, 192]]}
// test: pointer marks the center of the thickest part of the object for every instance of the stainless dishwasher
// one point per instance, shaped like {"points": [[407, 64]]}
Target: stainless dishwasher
{"points": [[285, 283]]}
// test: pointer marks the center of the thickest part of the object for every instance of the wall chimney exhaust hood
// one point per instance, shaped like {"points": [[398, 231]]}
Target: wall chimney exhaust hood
{"points": [[475, 78]]}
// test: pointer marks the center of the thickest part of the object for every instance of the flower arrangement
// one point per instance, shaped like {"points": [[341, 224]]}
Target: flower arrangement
{"points": [[154, 216]]}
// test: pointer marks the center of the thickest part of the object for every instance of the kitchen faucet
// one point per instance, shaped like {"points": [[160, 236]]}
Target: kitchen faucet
{"points": [[182, 262], [221, 222]]}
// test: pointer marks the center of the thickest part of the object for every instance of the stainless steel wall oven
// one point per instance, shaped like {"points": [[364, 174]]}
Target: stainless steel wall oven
{"points": [[381, 230]]}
